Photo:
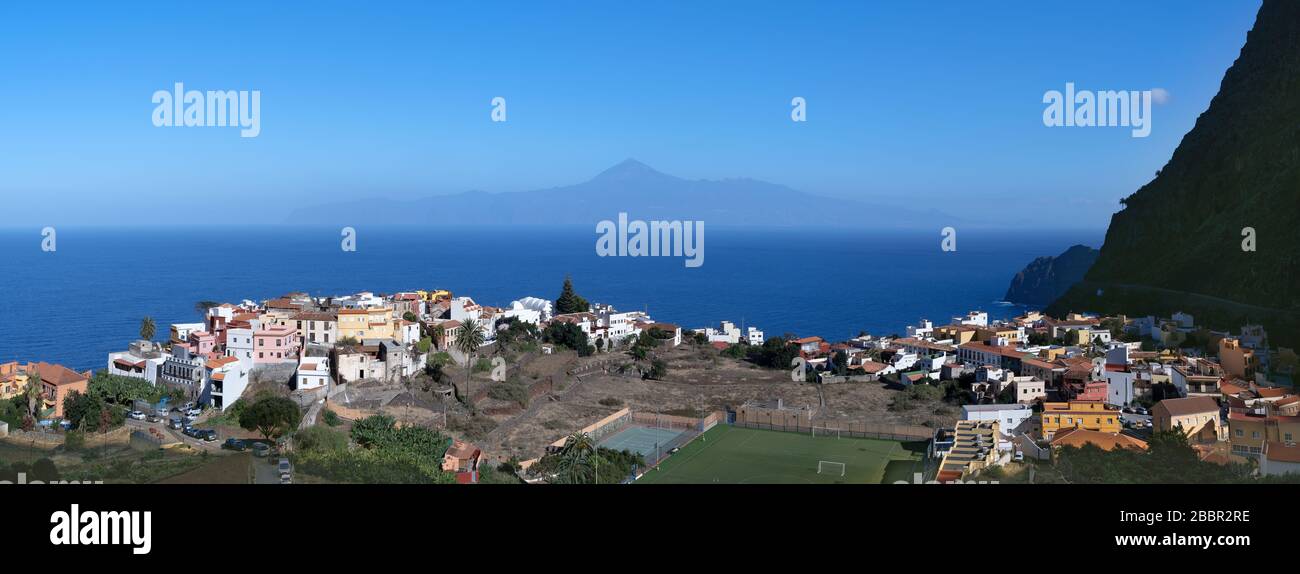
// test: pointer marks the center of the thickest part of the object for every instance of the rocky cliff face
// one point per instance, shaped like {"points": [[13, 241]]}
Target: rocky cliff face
{"points": [[1179, 239], [1047, 278]]}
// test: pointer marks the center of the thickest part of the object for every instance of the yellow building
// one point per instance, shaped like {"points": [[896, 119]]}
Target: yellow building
{"points": [[1248, 432], [13, 380], [362, 324], [1198, 417], [1091, 415], [960, 334], [1012, 335], [434, 296]]}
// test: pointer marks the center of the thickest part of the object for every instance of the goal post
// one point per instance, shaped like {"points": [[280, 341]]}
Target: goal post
{"points": [[830, 467], [825, 431]]}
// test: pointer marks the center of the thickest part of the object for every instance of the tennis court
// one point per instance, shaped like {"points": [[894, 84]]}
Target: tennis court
{"points": [[735, 455], [644, 440]]}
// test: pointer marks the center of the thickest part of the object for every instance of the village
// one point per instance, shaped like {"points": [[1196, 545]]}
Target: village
{"points": [[494, 391]]}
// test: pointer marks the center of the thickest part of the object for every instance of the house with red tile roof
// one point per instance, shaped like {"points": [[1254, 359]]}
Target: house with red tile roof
{"points": [[57, 382], [1280, 458], [1078, 437]]}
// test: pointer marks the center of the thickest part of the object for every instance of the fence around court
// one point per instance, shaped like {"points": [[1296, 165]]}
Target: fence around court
{"points": [[854, 429]]}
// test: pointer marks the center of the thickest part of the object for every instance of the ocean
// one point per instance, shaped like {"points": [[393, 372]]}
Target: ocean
{"points": [[84, 300]]}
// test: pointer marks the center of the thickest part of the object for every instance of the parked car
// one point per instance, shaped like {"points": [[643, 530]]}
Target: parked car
{"points": [[193, 412], [286, 479], [1019, 456], [208, 435], [175, 423], [1126, 410], [284, 466], [137, 415], [235, 445], [261, 449], [1141, 411]]}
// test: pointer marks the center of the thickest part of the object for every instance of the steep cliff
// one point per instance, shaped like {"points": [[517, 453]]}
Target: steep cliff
{"points": [[1047, 278], [1178, 241]]}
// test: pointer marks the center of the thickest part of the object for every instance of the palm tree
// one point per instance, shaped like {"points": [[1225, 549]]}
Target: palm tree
{"points": [[577, 457], [147, 328], [437, 333], [470, 339], [33, 394]]}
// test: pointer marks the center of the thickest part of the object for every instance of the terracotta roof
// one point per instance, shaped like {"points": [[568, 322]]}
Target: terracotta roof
{"points": [[221, 362], [56, 375], [1078, 437], [1280, 452], [872, 366], [1188, 406]]}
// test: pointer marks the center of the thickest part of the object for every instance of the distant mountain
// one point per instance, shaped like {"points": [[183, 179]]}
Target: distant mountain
{"points": [[1047, 278], [1178, 242], [638, 190]]}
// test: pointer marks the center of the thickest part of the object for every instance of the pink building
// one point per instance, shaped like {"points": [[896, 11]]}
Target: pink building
{"points": [[202, 343], [275, 344]]}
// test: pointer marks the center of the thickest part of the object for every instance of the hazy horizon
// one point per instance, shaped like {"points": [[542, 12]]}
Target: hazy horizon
{"points": [[906, 104]]}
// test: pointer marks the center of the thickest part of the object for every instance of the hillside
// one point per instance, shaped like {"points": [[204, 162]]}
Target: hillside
{"points": [[1177, 243]]}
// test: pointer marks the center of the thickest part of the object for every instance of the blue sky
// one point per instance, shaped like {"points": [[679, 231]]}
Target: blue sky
{"points": [[907, 102]]}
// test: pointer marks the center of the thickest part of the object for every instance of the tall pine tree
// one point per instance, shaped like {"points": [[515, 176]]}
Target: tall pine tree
{"points": [[570, 302]]}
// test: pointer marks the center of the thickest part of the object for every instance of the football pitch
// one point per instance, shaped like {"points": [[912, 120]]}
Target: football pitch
{"points": [[735, 455]]}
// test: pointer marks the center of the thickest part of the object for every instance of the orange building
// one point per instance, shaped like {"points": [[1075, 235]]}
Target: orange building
{"points": [[1236, 360], [57, 382]]}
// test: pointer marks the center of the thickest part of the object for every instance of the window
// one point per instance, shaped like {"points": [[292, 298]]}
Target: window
{"points": [[1241, 432], [1254, 434]]}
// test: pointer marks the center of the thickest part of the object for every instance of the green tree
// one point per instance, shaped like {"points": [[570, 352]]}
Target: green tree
{"points": [[470, 339], [569, 301], [147, 328], [271, 417], [202, 307], [576, 459], [569, 336], [658, 370]]}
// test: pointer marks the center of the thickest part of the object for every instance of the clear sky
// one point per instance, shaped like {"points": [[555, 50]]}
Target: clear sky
{"points": [[907, 101]]}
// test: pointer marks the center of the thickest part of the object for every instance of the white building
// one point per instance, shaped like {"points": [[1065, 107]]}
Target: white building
{"points": [[976, 318], [181, 331], [523, 314], [1009, 417], [1184, 320], [543, 307], [142, 360], [312, 373], [922, 330], [727, 332], [224, 381], [239, 343]]}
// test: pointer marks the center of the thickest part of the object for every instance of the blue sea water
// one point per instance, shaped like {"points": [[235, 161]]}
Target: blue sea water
{"points": [[86, 299]]}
